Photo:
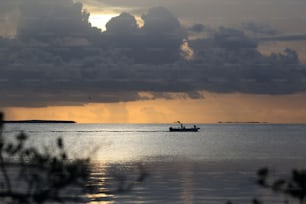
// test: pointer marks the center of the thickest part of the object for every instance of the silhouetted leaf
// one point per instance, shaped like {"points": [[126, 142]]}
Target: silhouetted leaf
{"points": [[60, 143], [263, 172], [278, 184], [21, 137], [256, 201], [64, 156], [9, 148], [1, 119], [261, 182]]}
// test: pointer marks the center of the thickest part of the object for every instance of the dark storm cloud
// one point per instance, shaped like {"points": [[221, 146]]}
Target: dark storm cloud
{"points": [[197, 28], [230, 38], [160, 20], [57, 58], [257, 28], [157, 42], [51, 20], [123, 24], [231, 63], [300, 37]]}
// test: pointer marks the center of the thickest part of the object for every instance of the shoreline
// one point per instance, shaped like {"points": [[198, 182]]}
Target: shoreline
{"points": [[39, 121]]}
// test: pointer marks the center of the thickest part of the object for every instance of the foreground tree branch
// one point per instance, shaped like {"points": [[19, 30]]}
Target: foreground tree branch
{"points": [[39, 177], [28, 175], [2, 165]]}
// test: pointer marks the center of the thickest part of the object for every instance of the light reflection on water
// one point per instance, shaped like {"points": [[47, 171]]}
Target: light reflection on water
{"points": [[217, 164], [189, 182]]}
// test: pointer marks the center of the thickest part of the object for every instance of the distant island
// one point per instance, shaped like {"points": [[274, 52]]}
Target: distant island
{"points": [[39, 121]]}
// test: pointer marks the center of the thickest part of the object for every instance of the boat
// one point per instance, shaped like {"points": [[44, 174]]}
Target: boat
{"points": [[182, 128]]}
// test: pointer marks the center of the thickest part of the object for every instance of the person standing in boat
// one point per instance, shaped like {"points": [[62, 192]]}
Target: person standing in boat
{"points": [[182, 126]]}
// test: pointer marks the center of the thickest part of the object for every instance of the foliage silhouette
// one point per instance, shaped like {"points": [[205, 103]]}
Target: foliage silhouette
{"points": [[294, 186], [40, 176], [30, 176]]}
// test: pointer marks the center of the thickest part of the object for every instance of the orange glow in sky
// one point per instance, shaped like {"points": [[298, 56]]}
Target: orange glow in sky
{"points": [[211, 109]]}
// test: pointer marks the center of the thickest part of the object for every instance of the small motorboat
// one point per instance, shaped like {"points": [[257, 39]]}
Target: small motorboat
{"points": [[182, 128]]}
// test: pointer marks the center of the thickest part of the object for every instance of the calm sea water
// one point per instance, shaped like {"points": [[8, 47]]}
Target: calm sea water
{"points": [[215, 165]]}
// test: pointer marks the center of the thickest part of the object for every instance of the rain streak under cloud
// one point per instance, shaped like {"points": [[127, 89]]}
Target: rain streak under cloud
{"points": [[57, 57]]}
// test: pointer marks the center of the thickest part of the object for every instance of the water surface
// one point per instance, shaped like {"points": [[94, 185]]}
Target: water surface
{"points": [[214, 165]]}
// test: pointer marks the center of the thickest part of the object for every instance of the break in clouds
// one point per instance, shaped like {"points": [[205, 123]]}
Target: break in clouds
{"points": [[56, 57]]}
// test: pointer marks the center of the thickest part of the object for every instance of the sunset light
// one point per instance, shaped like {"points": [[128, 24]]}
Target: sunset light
{"points": [[150, 101], [213, 108], [100, 20]]}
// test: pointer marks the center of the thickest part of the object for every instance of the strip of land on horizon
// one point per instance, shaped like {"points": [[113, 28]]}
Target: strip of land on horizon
{"points": [[39, 121]]}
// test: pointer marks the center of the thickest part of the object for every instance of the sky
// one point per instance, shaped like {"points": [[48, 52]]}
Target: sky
{"points": [[125, 61]]}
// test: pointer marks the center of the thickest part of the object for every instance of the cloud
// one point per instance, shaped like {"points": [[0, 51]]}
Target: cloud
{"points": [[160, 20], [158, 41], [197, 28], [231, 62], [232, 39], [8, 18], [58, 58], [257, 28], [123, 24], [51, 20], [222, 13], [297, 37]]}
